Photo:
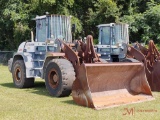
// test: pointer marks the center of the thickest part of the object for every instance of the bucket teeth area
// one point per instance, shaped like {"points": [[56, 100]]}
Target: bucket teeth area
{"points": [[109, 85], [115, 98]]}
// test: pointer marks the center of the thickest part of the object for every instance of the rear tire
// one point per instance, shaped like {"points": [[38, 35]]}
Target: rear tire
{"points": [[59, 77], [19, 75]]}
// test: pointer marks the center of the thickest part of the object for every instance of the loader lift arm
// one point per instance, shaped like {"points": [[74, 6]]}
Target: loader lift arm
{"points": [[86, 54]]}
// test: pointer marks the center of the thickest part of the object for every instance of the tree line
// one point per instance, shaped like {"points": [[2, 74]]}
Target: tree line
{"points": [[143, 17]]}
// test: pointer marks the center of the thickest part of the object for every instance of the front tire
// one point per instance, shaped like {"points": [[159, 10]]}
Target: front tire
{"points": [[59, 77], [19, 75]]}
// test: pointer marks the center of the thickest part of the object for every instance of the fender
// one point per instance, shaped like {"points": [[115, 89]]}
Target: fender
{"points": [[17, 56]]}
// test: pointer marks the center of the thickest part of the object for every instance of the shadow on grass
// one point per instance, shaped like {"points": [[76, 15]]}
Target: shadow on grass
{"points": [[36, 85], [9, 85], [69, 102], [40, 89]]}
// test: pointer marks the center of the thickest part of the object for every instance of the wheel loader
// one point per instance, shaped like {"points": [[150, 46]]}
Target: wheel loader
{"points": [[114, 46], [112, 42], [51, 55]]}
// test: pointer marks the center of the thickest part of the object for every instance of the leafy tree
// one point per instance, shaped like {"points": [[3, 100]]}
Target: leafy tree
{"points": [[16, 15], [105, 11], [142, 16], [144, 26]]}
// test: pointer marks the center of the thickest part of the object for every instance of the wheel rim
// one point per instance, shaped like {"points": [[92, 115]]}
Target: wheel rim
{"points": [[18, 74], [53, 78]]}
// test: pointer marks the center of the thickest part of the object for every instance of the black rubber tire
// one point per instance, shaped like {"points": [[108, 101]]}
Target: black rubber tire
{"points": [[129, 60], [59, 77], [20, 81]]}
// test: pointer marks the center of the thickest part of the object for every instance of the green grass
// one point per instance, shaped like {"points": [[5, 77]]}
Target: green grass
{"points": [[36, 104]]}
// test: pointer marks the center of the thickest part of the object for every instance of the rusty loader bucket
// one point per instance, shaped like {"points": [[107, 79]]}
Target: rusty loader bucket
{"points": [[108, 85]]}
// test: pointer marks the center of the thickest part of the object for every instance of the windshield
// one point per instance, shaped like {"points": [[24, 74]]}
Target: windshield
{"points": [[41, 30], [60, 27], [105, 35]]}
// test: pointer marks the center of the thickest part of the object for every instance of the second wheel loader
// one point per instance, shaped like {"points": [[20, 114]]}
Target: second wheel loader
{"points": [[114, 46], [93, 83]]}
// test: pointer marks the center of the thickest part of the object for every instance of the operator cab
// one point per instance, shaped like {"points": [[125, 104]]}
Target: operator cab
{"points": [[49, 28], [111, 41], [52, 27]]}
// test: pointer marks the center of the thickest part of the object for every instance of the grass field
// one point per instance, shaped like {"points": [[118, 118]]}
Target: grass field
{"points": [[36, 104]]}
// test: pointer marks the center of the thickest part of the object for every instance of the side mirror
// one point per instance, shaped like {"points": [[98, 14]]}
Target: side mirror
{"points": [[73, 28]]}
